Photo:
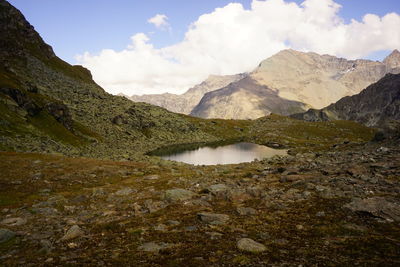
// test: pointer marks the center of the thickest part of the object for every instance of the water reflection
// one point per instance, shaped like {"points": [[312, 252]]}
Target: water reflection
{"points": [[228, 154]]}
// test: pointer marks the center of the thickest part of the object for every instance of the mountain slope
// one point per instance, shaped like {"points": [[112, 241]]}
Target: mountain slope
{"points": [[377, 105], [47, 105], [316, 80], [186, 102], [245, 99]]}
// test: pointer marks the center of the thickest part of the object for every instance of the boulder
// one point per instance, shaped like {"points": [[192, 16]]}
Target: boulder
{"points": [[249, 245]]}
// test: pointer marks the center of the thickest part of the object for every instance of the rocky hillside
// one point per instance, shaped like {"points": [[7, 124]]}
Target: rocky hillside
{"points": [[47, 105], [186, 102], [378, 105], [309, 78]]}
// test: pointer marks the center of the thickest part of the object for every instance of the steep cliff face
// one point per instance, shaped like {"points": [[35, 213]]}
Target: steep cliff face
{"points": [[186, 102], [309, 78], [378, 105], [18, 36]]}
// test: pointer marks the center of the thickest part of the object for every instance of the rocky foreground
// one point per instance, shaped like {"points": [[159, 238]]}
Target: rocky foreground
{"points": [[339, 207]]}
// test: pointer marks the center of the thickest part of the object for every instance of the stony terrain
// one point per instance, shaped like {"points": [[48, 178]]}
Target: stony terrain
{"points": [[336, 207]]}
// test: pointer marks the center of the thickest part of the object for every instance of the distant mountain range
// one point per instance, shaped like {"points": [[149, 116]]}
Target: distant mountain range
{"points": [[286, 83], [186, 102]]}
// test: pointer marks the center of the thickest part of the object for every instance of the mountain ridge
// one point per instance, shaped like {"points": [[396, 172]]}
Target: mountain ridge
{"points": [[184, 103], [378, 105]]}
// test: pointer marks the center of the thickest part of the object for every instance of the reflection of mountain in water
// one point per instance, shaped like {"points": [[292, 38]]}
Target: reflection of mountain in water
{"points": [[229, 154]]}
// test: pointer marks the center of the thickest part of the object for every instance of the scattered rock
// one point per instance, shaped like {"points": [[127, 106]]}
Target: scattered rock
{"points": [[249, 245], [6, 235], [98, 192], [154, 247], [216, 188], [190, 228], [377, 207], [172, 222], [124, 191], [214, 235], [178, 194], [151, 177], [213, 218], [246, 211], [73, 232], [320, 214], [14, 221], [161, 228], [47, 247]]}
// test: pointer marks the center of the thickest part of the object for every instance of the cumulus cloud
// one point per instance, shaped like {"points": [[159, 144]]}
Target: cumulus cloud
{"points": [[159, 20], [232, 39]]}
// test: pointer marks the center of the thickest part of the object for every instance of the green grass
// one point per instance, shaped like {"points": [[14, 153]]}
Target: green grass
{"points": [[51, 127]]}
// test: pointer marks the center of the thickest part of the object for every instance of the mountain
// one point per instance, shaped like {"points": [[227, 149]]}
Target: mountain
{"points": [[378, 105], [186, 102], [245, 99], [47, 105], [313, 79]]}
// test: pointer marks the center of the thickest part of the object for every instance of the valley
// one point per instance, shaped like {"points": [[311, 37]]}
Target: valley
{"points": [[78, 186]]}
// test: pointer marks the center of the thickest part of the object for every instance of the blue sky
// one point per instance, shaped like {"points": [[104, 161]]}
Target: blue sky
{"points": [[128, 54], [75, 26]]}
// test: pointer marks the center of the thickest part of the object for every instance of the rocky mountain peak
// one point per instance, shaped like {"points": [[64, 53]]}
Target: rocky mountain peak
{"points": [[17, 35], [393, 60]]}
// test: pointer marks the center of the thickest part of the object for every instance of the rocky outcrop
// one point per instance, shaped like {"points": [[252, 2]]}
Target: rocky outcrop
{"points": [[23, 101], [18, 36], [393, 60], [377, 105]]}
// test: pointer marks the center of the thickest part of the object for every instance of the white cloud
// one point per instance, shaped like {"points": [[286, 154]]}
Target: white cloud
{"points": [[159, 20], [233, 39]]}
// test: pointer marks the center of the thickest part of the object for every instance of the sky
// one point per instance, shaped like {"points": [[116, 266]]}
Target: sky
{"points": [[158, 46]]}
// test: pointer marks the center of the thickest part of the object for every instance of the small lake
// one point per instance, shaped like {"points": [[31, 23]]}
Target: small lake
{"points": [[213, 155]]}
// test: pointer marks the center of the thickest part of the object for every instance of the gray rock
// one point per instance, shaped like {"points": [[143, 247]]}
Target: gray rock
{"points": [[246, 211], [215, 188], [46, 211], [249, 245], [154, 206], [190, 228], [6, 235], [47, 247], [172, 222], [73, 232], [13, 221], [124, 191], [98, 192], [178, 194], [154, 247], [376, 206], [213, 218], [214, 235], [151, 177]]}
